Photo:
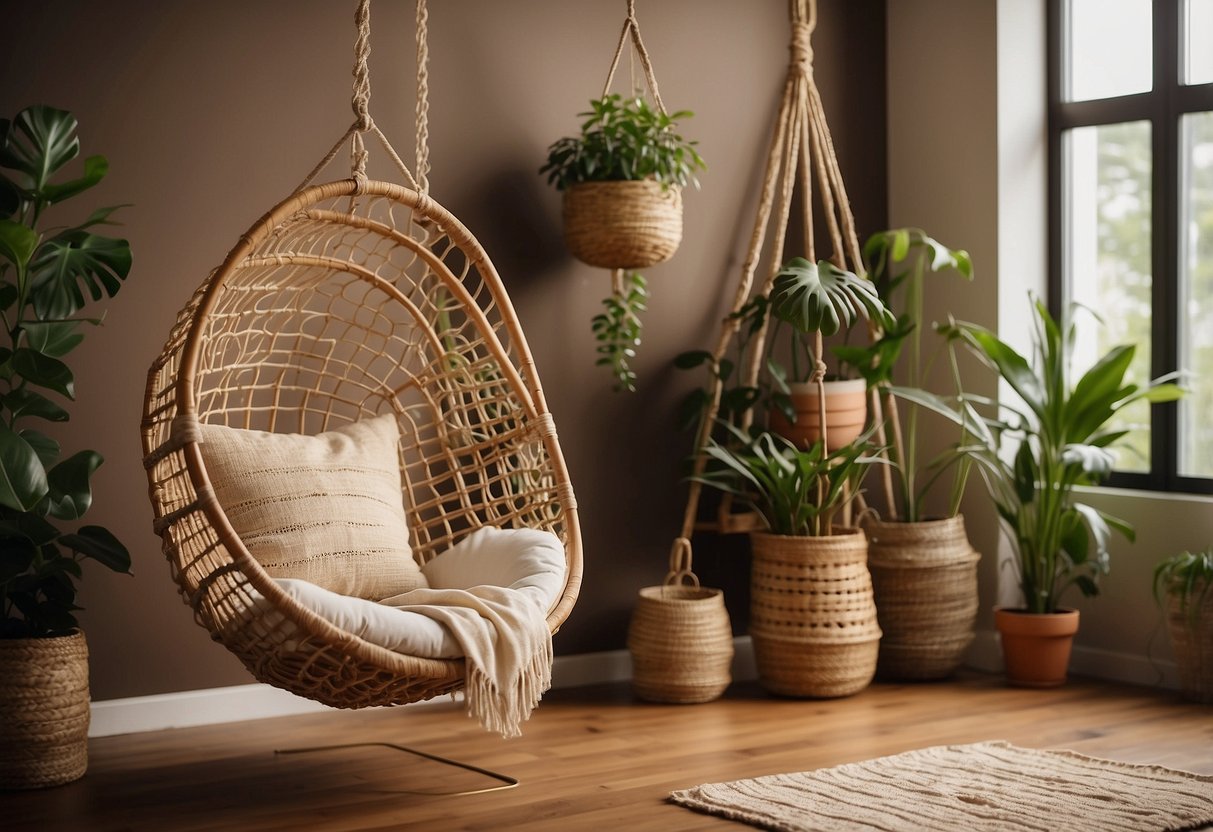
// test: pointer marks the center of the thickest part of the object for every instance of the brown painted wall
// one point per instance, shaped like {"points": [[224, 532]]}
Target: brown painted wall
{"points": [[210, 112]]}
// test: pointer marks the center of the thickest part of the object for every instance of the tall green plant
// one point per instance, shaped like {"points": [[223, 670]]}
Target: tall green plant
{"points": [[1032, 458], [898, 262], [44, 275]]}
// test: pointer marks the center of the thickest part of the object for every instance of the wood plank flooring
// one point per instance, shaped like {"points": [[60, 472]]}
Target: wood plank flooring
{"points": [[590, 758]]}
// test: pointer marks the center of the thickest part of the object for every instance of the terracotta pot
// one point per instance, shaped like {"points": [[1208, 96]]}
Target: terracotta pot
{"points": [[846, 413], [44, 711], [622, 225], [812, 616], [1036, 646]]}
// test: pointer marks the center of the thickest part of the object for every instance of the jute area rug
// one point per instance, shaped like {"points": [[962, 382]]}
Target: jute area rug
{"points": [[985, 786]]}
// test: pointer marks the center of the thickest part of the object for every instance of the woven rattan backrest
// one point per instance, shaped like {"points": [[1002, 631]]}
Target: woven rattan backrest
{"points": [[336, 307]]}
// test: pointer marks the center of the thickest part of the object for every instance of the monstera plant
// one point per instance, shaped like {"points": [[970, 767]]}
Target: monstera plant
{"points": [[48, 275]]}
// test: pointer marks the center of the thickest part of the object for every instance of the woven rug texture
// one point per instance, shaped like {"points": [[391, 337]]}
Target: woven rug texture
{"points": [[975, 788]]}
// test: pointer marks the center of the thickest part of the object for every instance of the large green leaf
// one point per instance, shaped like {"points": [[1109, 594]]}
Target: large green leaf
{"points": [[1095, 395], [10, 196], [100, 545], [1011, 366], [22, 477], [44, 371], [70, 494], [75, 258], [95, 168], [822, 297], [46, 448], [24, 402], [17, 244], [53, 338], [38, 142]]}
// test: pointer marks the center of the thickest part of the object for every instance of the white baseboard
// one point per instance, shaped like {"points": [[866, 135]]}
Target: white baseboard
{"points": [[241, 702], [257, 701], [986, 654]]}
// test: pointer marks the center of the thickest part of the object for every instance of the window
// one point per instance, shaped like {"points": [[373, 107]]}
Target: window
{"points": [[1131, 211]]}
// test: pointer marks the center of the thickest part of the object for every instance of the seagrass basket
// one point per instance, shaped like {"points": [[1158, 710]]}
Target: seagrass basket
{"points": [[812, 614], [681, 643], [622, 225], [1192, 641], [925, 579], [44, 711]]}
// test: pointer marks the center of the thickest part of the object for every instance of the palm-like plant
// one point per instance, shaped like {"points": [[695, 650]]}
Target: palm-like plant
{"points": [[797, 492], [1058, 438]]}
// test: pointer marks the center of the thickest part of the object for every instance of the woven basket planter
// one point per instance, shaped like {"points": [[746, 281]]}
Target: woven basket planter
{"points": [[44, 711], [622, 225], [1192, 641], [681, 644], [925, 579], [812, 614]]}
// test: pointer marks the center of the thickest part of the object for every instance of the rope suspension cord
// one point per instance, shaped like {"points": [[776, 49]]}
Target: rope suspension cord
{"points": [[364, 123], [631, 28], [801, 154]]}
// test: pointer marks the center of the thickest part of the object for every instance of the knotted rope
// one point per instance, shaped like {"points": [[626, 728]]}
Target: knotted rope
{"points": [[631, 27], [801, 154], [360, 103]]}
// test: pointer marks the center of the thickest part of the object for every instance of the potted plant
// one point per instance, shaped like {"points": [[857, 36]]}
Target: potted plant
{"points": [[924, 570], [44, 274], [1031, 458], [812, 619], [1183, 588], [815, 300], [622, 180]]}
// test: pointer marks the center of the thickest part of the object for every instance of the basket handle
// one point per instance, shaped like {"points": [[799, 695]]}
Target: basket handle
{"points": [[680, 573], [631, 26]]}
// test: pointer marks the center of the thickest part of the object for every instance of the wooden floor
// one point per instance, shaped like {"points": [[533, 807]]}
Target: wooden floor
{"points": [[590, 758]]}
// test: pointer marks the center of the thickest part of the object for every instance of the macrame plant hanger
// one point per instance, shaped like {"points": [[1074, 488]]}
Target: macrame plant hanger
{"points": [[352, 299], [801, 159]]}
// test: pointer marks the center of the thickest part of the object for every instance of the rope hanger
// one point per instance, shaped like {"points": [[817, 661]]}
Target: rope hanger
{"points": [[360, 103], [801, 154]]}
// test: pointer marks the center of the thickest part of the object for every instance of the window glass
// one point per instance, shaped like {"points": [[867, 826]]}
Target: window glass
{"points": [[1108, 256], [1196, 295], [1197, 63], [1110, 48]]}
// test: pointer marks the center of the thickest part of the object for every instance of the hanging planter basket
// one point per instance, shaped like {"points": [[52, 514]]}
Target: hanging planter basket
{"points": [[626, 224], [925, 580], [812, 614]]}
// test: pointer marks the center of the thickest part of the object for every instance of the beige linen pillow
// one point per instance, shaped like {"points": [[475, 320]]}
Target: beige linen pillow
{"points": [[325, 509]]}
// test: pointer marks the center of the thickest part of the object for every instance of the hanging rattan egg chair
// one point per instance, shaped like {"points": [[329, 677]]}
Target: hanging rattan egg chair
{"points": [[349, 300]]}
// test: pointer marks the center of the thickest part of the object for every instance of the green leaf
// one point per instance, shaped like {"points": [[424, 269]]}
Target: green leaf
{"points": [[16, 556], [70, 494], [25, 402], [53, 338], [38, 142], [26, 525], [10, 197], [95, 168], [689, 360], [72, 259], [100, 545], [22, 477], [822, 297], [17, 244], [44, 371], [46, 448]]}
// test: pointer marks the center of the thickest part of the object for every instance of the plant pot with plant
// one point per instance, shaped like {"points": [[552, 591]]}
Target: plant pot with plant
{"points": [[1183, 588], [44, 699], [1031, 457], [812, 616], [924, 570]]}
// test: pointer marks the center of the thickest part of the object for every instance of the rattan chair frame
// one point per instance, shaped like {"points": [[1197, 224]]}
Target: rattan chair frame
{"points": [[348, 300]]}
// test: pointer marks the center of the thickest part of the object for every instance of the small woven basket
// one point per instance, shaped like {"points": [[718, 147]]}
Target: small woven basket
{"points": [[925, 579], [681, 643], [623, 225], [1192, 641], [812, 614], [44, 711]]}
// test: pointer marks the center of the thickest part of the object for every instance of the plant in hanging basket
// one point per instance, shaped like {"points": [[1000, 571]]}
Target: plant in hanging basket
{"points": [[1183, 588], [1056, 439]]}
